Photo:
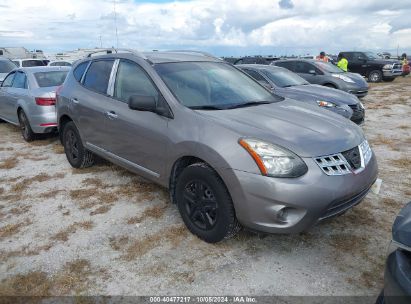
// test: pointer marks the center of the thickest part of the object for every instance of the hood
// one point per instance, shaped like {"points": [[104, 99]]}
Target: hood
{"points": [[302, 128], [358, 79], [385, 61], [316, 92], [401, 230]]}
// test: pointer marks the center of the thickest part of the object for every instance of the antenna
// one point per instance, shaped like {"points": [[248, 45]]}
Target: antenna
{"points": [[115, 21]]}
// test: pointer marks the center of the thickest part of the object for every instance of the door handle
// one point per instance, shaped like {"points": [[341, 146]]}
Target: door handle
{"points": [[111, 115], [74, 100]]}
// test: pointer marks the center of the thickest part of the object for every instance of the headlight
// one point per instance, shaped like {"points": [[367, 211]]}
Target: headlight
{"points": [[326, 104], [387, 67], [273, 160], [343, 77]]}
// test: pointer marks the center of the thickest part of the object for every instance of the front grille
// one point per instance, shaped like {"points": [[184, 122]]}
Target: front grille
{"points": [[343, 205], [353, 160], [397, 66], [353, 157]]}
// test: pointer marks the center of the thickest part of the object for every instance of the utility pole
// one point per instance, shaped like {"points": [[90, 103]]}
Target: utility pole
{"points": [[115, 21]]}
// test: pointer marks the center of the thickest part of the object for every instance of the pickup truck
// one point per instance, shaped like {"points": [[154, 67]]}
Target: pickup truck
{"points": [[371, 66]]}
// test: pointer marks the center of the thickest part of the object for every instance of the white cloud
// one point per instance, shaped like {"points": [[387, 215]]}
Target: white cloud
{"points": [[223, 26]]}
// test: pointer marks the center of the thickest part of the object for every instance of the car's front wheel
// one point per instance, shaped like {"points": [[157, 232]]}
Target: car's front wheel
{"points": [[375, 76], [25, 127], [205, 204], [77, 155]]}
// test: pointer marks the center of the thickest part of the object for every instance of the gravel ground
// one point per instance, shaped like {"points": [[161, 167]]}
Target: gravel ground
{"points": [[104, 231]]}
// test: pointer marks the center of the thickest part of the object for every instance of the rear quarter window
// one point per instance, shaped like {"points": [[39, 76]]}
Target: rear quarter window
{"points": [[50, 79], [79, 70]]}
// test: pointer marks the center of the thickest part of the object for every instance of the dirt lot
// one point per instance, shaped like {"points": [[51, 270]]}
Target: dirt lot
{"points": [[105, 231]]}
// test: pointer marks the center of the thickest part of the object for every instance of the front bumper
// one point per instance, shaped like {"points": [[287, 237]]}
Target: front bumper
{"points": [[360, 93], [391, 73], [258, 199], [397, 278]]}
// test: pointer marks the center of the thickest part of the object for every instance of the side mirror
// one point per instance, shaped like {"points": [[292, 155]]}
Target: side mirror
{"points": [[312, 72], [401, 230], [142, 103]]}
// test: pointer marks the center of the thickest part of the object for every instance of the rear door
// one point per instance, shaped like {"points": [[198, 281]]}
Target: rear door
{"points": [[19, 90], [5, 95], [136, 137], [90, 102]]}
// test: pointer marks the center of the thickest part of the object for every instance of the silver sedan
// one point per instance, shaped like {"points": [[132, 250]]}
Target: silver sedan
{"points": [[28, 98]]}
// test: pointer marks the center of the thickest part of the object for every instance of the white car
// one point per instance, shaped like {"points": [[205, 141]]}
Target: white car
{"points": [[60, 63], [29, 62]]}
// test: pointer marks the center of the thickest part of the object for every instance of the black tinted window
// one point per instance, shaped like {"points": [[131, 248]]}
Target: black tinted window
{"points": [[286, 64], [33, 63], [303, 67], [98, 75], [9, 80], [256, 76], [50, 79], [20, 81], [132, 80], [79, 70]]}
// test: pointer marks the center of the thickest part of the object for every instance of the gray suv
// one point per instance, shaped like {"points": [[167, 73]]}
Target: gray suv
{"points": [[230, 152]]}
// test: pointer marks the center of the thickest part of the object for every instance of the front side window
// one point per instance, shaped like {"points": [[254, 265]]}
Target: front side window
{"points": [[284, 78], [50, 79], [303, 67], [33, 63], [20, 81], [98, 75], [79, 70], [286, 64], [328, 67], [132, 80], [8, 81], [212, 85]]}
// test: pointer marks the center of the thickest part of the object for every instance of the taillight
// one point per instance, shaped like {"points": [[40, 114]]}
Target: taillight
{"points": [[44, 101]]}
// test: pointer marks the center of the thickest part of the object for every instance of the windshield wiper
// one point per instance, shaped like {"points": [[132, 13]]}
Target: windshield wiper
{"points": [[205, 107], [248, 104]]}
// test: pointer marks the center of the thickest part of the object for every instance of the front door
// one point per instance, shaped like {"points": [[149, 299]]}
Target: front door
{"points": [[6, 97]]}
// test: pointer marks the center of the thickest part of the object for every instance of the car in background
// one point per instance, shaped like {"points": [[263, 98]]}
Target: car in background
{"points": [[397, 277], [30, 62], [6, 66], [255, 60], [60, 63], [326, 74], [374, 68], [288, 84], [28, 98], [231, 144]]}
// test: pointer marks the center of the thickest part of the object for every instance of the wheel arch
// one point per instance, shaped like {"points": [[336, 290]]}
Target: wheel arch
{"points": [[63, 120]]}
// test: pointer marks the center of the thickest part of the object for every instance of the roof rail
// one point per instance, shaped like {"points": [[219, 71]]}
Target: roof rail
{"points": [[113, 50], [194, 52]]}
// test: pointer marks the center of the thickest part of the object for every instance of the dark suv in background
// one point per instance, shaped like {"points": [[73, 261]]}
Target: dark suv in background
{"points": [[373, 67], [326, 74]]}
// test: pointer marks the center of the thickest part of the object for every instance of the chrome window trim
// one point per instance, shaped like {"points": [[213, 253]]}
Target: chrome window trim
{"points": [[112, 79]]}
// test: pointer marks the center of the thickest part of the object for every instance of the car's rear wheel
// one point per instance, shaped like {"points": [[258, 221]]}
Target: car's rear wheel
{"points": [[77, 155], [25, 127], [205, 204], [375, 76]]}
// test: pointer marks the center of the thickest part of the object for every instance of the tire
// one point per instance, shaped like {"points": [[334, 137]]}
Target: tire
{"points": [[26, 130], [77, 155], [375, 76], [329, 85], [205, 204]]}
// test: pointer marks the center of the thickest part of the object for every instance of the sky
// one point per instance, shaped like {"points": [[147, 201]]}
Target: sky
{"points": [[222, 27]]}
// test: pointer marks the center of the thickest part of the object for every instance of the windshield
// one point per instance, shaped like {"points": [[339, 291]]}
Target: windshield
{"points": [[6, 66], [212, 85], [328, 67], [371, 55], [50, 79], [284, 78]]}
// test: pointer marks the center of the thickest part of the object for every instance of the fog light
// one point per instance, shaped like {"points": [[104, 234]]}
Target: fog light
{"points": [[282, 215]]}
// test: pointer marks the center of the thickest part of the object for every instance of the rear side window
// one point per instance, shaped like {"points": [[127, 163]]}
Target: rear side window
{"points": [[98, 75], [8, 81], [20, 81], [132, 80], [79, 70], [50, 79], [33, 63]]}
